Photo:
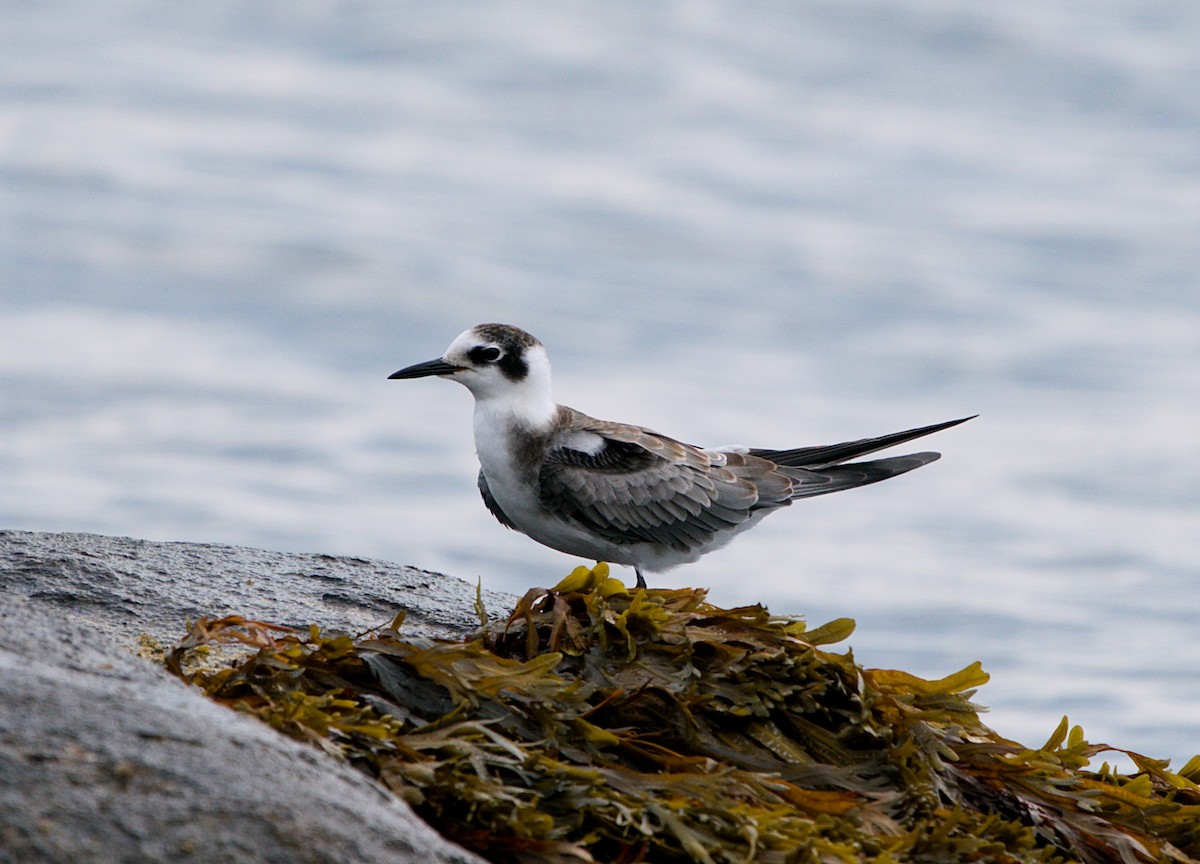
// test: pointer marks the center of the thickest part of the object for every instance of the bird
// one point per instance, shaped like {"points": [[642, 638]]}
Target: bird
{"points": [[621, 493]]}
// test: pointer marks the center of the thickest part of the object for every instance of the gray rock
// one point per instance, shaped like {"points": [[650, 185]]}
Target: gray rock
{"points": [[126, 586], [105, 757]]}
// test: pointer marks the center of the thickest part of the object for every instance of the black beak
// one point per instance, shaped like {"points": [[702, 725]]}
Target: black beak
{"points": [[429, 367]]}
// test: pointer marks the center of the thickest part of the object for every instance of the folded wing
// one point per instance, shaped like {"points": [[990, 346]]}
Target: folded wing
{"points": [[631, 485]]}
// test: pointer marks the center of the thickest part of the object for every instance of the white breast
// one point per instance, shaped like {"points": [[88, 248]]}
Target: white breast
{"points": [[517, 492]]}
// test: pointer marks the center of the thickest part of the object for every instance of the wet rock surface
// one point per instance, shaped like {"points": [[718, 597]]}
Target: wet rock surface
{"points": [[106, 757]]}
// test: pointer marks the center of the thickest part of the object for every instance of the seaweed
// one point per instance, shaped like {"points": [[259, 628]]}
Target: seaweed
{"points": [[596, 723]]}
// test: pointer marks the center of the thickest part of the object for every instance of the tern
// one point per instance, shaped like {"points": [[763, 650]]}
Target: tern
{"points": [[620, 493]]}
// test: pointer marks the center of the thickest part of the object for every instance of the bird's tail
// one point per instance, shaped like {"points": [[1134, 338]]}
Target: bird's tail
{"points": [[835, 478], [835, 454]]}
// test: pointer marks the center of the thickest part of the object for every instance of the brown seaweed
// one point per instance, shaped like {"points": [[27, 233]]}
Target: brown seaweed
{"points": [[601, 724]]}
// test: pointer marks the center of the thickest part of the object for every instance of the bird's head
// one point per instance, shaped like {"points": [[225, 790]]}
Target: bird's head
{"points": [[498, 363]]}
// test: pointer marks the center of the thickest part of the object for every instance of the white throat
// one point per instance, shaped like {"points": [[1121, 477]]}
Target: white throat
{"points": [[525, 404]]}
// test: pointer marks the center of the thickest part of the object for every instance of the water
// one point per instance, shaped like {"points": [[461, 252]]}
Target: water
{"points": [[221, 227]]}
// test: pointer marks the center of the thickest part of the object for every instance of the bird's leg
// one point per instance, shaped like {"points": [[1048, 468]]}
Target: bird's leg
{"points": [[641, 583]]}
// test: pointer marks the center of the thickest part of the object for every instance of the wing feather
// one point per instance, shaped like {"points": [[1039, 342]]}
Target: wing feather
{"points": [[494, 505], [640, 487], [630, 485], [835, 478], [834, 454]]}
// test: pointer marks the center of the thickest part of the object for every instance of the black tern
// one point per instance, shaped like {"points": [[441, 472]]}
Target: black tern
{"points": [[620, 493]]}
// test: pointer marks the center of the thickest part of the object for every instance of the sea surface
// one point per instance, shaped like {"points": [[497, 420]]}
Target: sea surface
{"points": [[222, 225]]}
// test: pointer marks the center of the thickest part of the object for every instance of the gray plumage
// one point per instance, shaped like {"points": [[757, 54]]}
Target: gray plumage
{"points": [[643, 487], [623, 493]]}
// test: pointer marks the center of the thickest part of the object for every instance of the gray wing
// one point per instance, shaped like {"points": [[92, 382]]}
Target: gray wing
{"points": [[834, 454], [631, 485], [492, 504], [830, 461], [835, 478]]}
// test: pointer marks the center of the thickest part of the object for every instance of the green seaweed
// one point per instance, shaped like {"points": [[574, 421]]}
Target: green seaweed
{"points": [[601, 724]]}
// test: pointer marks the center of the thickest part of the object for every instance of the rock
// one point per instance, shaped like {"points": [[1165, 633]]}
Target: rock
{"points": [[126, 587], [106, 757]]}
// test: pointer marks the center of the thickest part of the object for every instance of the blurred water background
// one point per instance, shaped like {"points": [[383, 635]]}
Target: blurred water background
{"points": [[222, 225]]}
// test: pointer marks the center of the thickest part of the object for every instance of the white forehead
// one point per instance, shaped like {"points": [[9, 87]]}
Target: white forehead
{"points": [[464, 342]]}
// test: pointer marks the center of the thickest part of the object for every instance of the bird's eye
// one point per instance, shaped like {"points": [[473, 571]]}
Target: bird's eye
{"points": [[484, 354]]}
